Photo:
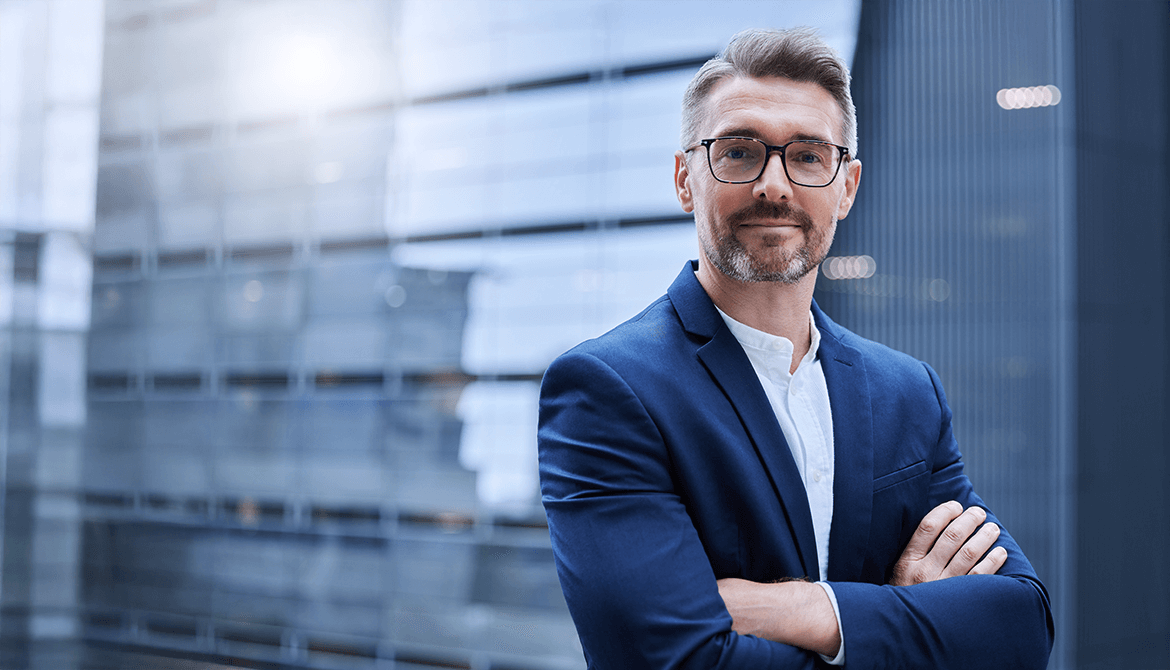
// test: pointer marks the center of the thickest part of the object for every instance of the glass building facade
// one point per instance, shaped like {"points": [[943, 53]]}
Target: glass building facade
{"points": [[334, 251], [966, 222], [272, 344]]}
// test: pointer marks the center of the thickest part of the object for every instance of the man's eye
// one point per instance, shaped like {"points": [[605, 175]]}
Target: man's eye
{"points": [[737, 152], [808, 158]]}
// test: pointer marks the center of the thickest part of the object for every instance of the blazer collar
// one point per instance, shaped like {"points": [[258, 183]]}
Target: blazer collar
{"points": [[849, 400], [728, 365], [692, 304]]}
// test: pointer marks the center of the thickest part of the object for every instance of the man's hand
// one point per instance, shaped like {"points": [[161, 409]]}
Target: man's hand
{"points": [[949, 542], [794, 612]]}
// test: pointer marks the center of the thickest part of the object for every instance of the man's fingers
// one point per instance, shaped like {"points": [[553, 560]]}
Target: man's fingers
{"points": [[972, 549], [991, 564], [951, 541], [929, 529]]}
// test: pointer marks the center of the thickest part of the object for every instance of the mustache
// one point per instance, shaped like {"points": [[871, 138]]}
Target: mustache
{"points": [[766, 209]]}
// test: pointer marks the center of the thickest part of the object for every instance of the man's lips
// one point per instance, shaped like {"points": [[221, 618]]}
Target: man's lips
{"points": [[770, 223]]}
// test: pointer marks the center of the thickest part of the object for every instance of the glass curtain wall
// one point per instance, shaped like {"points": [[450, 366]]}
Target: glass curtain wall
{"points": [[961, 250], [336, 245], [50, 55]]}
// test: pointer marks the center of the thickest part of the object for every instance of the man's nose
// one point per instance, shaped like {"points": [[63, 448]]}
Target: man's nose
{"points": [[773, 184]]}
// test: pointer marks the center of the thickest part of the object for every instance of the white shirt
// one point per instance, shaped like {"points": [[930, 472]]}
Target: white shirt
{"points": [[801, 404]]}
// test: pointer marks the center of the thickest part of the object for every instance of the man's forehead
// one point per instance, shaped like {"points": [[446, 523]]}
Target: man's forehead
{"points": [[766, 104]]}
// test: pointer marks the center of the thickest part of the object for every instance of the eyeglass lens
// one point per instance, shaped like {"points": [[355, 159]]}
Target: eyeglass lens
{"points": [[742, 160]]}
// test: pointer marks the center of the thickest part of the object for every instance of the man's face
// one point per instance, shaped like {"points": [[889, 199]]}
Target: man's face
{"points": [[770, 229]]}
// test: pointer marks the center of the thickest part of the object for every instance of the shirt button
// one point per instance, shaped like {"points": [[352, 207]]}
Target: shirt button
{"points": [[816, 475]]}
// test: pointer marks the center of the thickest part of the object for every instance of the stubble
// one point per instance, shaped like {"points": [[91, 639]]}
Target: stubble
{"points": [[773, 263]]}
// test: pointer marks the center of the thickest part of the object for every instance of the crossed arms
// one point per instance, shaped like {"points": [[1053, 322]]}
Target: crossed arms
{"points": [[649, 520], [949, 542]]}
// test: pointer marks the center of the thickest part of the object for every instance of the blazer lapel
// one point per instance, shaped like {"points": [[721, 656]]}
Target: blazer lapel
{"points": [[725, 360], [849, 399]]}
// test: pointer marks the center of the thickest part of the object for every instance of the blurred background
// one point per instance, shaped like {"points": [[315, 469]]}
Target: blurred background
{"points": [[279, 279]]}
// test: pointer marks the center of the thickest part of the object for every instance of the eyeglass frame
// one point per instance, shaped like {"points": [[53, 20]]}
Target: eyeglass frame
{"points": [[842, 157]]}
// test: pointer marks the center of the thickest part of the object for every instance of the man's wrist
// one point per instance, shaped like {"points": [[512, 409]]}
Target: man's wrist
{"points": [[797, 613], [839, 659], [809, 621]]}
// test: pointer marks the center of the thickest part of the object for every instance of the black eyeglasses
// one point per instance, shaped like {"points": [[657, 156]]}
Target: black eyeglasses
{"points": [[742, 160]]}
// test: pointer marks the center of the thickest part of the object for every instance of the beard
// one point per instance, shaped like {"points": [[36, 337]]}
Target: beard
{"points": [[773, 263]]}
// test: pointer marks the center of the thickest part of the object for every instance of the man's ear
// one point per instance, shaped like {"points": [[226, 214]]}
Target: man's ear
{"points": [[852, 181], [682, 187]]}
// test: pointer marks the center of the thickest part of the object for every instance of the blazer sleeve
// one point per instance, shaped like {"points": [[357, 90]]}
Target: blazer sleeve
{"points": [[971, 622], [637, 581]]}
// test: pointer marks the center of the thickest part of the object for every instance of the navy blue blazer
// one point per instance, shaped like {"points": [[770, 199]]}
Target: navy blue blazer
{"points": [[663, 469]]}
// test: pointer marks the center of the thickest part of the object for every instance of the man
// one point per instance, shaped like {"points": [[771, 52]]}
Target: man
{"points": [[731, 479]]}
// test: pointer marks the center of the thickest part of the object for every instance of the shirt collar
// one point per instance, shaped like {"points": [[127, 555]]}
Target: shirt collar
{"points": [[773, 345]]}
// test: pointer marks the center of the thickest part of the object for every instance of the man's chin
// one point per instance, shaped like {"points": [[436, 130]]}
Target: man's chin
{"points": [[784, 272]]}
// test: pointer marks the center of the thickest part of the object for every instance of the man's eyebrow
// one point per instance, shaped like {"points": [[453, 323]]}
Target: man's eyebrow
{"points": [[741, 132], [754, 134], [814, 138]]}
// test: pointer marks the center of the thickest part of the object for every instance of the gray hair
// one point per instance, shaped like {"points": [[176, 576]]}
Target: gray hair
{"points": [[798, 54]]}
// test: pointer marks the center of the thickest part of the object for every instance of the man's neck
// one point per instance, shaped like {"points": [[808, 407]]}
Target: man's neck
{"points": [[773, 307]]}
